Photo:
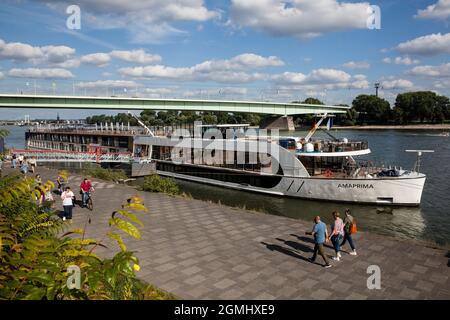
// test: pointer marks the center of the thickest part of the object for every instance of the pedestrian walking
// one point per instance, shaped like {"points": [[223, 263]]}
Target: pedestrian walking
{"points": [[20, 158], [33, 164], [67, 198], [14, 161], [61, 183], [320, 234], [337, 234], [349, 229], [24, 167]]}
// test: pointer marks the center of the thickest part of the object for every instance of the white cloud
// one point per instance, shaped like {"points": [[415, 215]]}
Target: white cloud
{"points": [[2, 75], [224, 71], [114, 84], [23, 52], [303, 19], [428, 45], [158, 91], [397, 84], [440, 11], [139, 56], [329, 79], [356, 65], [442, 84], [68, 64], [136, 56], [442, 70], [98, 59], [47, 73], [407, 61], [240, 62], [149, 21]]}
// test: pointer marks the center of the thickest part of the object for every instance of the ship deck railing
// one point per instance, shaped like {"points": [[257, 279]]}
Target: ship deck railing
{"points": [[75, 156]]}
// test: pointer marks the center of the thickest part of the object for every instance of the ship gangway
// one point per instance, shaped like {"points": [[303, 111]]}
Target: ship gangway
{"points": [[75, 156]]}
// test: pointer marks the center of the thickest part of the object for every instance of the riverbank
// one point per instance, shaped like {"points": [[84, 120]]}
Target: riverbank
{"points": [[201, 250], [396, 127]]}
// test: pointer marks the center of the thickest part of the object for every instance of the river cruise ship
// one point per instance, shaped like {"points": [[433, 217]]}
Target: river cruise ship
{"points": [[239, 157]]}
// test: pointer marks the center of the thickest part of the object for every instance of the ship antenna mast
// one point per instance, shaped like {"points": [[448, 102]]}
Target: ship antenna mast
{"points": [[416, 167]]}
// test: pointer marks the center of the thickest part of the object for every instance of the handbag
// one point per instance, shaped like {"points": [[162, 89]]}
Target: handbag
{"points": [[353, 228]]}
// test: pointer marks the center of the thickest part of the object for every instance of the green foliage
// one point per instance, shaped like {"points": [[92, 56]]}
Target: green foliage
{"points": [[311, 100], [421, 106], [104, 174], [34, 256], [119, 118], [4, 133], [371, 109], [165, 118], [155, 183]]}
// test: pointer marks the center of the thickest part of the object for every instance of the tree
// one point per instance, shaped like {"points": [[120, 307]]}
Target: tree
{"points": [[371, 109], [311, 100], [421, 106], [309, 118], [349, 118]]}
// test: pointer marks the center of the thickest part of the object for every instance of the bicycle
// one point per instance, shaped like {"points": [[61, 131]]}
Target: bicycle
{"points": [[89, 203]]}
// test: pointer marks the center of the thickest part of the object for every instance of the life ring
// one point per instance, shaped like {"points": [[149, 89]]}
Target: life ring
{"points": [[328, 173]]}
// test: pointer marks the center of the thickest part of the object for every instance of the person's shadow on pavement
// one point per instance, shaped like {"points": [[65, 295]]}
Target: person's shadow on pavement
{"points": [[286, 251], [310, 240], [297, 246]]}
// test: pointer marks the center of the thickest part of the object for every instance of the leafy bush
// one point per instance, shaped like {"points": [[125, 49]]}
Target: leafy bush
{"points": [[35, 257], [155, 183], [104, 174]]}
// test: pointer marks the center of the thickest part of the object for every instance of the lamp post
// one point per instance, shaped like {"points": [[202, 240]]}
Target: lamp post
{"points": [[377, 86]]}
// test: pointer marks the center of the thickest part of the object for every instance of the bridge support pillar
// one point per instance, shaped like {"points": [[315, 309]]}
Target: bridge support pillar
{"points": [[281, 123]]}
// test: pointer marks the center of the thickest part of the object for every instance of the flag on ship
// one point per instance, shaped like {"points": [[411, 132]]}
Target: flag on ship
{"points": [[329, 124]]}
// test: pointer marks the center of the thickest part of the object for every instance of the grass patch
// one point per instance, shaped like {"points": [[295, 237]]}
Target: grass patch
{"points": [[104, 174], [154, 293], [155, 183]]}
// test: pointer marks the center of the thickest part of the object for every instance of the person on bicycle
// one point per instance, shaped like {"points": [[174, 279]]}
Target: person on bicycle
{"points": [[85, 190]]}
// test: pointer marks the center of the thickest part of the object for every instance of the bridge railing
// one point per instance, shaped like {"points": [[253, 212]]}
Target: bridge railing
{"points": [[74, 156]]}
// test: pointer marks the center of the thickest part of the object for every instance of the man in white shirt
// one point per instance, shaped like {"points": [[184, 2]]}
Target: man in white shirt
{"points": [[67, 198]]}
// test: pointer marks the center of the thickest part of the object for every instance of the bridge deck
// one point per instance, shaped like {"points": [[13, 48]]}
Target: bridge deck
{"points": [[123, 103]]}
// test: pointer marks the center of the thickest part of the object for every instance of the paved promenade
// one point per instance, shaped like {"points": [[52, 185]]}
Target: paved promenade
{"points": [[201, 250]]}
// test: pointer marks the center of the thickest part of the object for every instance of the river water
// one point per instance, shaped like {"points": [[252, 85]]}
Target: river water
{"points": [[430, 221]]}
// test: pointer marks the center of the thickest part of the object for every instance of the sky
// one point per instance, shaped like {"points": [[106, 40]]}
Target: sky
{"points": [[270, 50]]}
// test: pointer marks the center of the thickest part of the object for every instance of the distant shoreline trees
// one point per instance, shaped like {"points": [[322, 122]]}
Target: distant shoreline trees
{"points": [[409, 108]]}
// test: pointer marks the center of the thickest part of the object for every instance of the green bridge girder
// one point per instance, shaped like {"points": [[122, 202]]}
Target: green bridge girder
{"points": [[124, 103]]}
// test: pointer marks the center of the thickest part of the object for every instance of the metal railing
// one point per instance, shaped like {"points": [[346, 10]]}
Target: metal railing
{"points": [[74, 156]]}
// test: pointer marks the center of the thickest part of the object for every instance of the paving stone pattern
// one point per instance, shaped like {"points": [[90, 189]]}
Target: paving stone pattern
{"points": [[200, 250]]}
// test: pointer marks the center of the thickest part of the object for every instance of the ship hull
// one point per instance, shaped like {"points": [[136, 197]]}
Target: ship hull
{"points": [[395, 191]]}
